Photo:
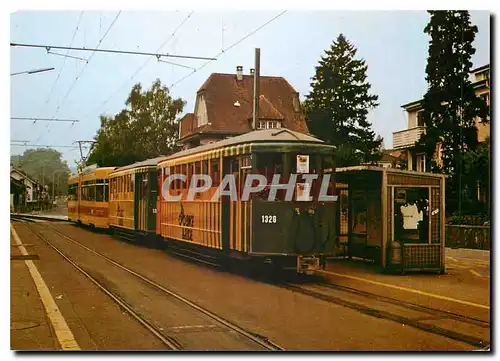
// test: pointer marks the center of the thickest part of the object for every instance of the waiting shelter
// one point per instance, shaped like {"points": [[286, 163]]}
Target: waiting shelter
{"points": [[393, 217]]}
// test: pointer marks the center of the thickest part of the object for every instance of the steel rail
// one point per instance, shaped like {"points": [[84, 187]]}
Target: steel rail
{"points": [[168, 341], [473, 341], [258, 339]]}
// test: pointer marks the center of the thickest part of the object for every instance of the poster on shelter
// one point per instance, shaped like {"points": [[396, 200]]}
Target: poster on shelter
{"points": [[302, 163]]}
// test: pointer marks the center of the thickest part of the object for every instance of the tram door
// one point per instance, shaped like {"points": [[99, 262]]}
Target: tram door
{"points": [[145, 200]]}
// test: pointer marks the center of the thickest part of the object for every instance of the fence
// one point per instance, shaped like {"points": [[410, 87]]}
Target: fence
{"points": [[462, 236]]}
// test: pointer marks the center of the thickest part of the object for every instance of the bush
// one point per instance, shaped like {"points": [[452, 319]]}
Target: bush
{"points": [[469, 220]]}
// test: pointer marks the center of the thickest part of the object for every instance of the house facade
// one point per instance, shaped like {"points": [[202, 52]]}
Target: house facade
{"points": [[404, 140], [24, 191], [224, 108]]}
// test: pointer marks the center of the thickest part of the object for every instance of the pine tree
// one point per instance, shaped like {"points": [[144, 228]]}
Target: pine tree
{"points": [[338, 105], [450, 105]]}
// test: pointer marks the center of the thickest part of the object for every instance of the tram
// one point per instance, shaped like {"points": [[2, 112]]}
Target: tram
{"points": [[291, 231], [89, 196]]}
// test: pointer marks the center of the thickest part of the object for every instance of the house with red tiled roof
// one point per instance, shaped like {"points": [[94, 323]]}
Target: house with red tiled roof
{"points": [[224, 105]]}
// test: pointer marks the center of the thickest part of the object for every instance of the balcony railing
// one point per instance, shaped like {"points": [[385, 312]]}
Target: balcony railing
{"points": [[406, 138]]}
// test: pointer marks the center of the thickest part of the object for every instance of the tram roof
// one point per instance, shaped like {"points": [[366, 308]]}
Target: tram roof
{"points": [[257, 136], [144, 163]]}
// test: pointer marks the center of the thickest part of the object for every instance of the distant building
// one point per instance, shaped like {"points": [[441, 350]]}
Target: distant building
{"points": [[24, 190], [224, 108], [404, 140], [391, 158]]}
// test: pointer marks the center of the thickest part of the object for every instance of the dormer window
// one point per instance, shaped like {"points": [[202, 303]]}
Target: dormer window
{"points": [[201, 112], [269, 124], [296, 104]]}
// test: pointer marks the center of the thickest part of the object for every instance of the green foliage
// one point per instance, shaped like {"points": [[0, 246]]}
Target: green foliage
{"points": [[41, 165], [480, 219], [146, 128], [338, 105], [450, 105]]}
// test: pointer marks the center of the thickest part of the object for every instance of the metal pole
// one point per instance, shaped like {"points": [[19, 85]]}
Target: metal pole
{"points": [[256, 86]]}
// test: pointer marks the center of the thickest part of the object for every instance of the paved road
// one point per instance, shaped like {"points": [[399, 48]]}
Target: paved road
{"points": [[476, 262]]}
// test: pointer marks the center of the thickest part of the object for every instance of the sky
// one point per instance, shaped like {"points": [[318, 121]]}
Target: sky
{"points": [[392, 43]]}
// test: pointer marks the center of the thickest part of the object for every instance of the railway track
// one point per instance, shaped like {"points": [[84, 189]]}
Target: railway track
{"points": [[170, 342], [340, 295]]}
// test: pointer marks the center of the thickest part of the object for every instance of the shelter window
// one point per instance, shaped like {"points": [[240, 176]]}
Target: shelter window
{"points": [[411, 215]]}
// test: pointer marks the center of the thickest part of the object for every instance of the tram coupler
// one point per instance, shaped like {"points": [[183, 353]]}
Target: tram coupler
{"points": [[307, 264]]}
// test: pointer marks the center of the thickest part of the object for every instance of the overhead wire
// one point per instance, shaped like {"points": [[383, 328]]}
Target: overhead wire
{"points": [[78, 76], [223, 51], [138, 70], [64, 61]]}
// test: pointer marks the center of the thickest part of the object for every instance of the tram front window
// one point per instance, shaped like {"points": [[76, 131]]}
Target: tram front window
{"points": [[285, 164]]}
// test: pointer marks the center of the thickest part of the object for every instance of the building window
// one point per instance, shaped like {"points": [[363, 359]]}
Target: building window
{"points": [[420, 162], [486, 98], [420, 118]]}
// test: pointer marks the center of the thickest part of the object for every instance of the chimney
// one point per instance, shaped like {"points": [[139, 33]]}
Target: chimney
{"points": [[239, 72], [252, 71]]}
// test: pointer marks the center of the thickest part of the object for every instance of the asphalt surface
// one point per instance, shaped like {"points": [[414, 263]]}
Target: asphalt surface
{"points": [[292, 320]]}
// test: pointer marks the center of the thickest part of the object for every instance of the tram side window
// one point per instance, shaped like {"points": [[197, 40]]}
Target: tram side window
{"points": [[215, 172], [177, 181], [269, 164], [328, 164], [190, 168], [197, 170], [235, 171], [100, 191], [112, 188], [73, 192], [106, 191], [92, 190], [85, 191], [184, 170]]}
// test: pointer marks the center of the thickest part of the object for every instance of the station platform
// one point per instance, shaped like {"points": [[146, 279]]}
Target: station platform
{"points": [[32, 306], [48, 217], [465, 285]]}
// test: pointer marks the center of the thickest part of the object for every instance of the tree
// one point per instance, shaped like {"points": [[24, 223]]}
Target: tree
{"points": [[476, 178], [42, 165], [148, 127], [338, 105], [450, 106]]}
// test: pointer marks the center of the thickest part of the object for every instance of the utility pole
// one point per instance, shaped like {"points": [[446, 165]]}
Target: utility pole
{"points": [[256, 86]]}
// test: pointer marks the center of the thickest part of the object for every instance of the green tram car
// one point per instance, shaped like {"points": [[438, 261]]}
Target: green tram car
{"points": [[289, 233]]}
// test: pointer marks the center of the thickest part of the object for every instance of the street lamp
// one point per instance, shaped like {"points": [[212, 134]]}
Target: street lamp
{"points": [[34, 71]]}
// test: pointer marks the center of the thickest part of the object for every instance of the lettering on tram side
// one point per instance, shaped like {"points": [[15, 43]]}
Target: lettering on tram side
{"points": [[186, 221]]}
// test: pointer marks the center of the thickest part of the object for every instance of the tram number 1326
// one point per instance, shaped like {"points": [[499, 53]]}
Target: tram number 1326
{"points": [[269, 219]]}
